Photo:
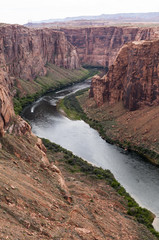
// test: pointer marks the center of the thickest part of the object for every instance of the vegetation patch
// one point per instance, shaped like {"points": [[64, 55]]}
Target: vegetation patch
{"points": [[73, 109], [97, 67], [55, 79], [71, 106]]}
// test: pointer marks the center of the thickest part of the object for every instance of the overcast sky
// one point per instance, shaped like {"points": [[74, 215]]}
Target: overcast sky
{"points": [[22, 11]]}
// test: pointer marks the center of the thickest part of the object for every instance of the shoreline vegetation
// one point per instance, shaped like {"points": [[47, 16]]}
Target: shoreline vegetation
{"points": [[75, 164], [56, 79], [71, 107]]}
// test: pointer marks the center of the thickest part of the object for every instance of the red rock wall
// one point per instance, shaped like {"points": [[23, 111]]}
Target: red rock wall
{"points": [[23, 54], [99, 46], [26, 51], [133, 78], [6, 106]]}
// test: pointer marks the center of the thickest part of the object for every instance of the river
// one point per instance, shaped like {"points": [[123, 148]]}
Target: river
{"points": [[139, 178]]}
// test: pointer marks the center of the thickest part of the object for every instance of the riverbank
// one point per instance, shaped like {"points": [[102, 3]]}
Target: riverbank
{"points": [[71, 106], [77, 167], [56, 79], [130, 130]]}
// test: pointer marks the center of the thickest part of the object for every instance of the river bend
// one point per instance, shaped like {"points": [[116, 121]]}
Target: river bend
{"points": [[139, 178]]}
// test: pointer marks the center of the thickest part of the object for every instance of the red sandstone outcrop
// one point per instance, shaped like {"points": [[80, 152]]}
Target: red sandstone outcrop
{"points": [[23, 54], [99, 46], [26, 51], [96, 90], [133, 78], [6, 106]]}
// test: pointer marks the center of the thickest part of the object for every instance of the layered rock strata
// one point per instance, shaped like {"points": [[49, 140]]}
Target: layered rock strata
{"points": [[26, 51], [99, 46], [6, 106], [23, 54], [133, 78]]}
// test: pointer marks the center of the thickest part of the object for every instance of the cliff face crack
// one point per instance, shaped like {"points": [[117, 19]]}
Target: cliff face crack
{"points": [[2, 119]]}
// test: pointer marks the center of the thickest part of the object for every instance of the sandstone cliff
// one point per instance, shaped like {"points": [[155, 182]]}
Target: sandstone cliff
{"points": [[26, 51], [6, 106], [133, 78], [99, 46], [23, 54]]}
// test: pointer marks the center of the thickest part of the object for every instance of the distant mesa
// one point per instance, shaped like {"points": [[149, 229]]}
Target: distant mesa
{"points": [[123, 17]]}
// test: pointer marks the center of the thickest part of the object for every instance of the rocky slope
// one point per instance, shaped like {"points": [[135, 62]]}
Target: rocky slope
{"points": [[133, 78], [41, 201], [99, 46]]}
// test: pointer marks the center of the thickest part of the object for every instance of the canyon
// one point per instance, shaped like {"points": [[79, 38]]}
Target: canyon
{"points": [[99, 46], [36, 195]]}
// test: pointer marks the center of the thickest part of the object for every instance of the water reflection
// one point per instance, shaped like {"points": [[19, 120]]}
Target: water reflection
{"points": [[139, 178]]}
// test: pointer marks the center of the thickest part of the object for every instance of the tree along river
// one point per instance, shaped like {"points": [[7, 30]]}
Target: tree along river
{"points": [[139, 178]]}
